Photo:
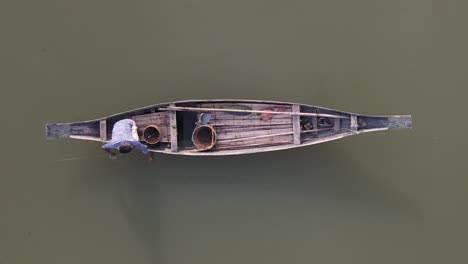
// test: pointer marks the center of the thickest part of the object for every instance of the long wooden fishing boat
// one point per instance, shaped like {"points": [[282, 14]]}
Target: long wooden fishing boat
{"points": [[231, 127]]}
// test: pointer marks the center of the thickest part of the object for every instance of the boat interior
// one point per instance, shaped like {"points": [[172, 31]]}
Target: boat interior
{"points": [[226, 126]]}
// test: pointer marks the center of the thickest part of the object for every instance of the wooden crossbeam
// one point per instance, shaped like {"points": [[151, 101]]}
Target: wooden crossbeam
{"points": [[296, 124], [173, 128], [103, 129], [354, 124]]}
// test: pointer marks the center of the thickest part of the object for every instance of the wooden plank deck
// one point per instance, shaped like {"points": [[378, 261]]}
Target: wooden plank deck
{"points": [[237, 130], [160, 119]]}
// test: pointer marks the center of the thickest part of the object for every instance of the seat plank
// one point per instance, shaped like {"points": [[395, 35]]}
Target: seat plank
{"points": [[103, 129], [296, 124], [173, 128]]}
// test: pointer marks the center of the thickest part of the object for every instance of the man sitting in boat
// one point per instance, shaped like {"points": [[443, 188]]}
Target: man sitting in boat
{"points": [[125, 138]]}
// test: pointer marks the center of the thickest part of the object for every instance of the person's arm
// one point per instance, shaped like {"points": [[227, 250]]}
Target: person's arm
{"points": [[149, 156], [143, 149], [107, 148]]}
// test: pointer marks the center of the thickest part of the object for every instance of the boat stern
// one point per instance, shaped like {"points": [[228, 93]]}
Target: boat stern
{"points": [[87, 129], [400, 122], [376, 123], [54, 130]]}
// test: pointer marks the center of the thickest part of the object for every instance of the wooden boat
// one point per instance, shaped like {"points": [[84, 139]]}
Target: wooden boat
{"points": [[231, 127]]}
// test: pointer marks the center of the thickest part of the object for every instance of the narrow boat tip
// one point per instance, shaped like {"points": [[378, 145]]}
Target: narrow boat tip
{"points": [[400, 122], [54, 130]]}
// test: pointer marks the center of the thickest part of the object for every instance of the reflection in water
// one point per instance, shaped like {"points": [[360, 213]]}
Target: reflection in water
{"points": [[319, 177]]}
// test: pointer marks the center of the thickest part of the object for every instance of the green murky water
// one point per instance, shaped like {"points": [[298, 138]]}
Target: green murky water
{"points": [[388, 197]]}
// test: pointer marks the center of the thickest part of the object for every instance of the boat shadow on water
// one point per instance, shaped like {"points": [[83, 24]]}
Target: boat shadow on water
{"points": [[323, 176]]}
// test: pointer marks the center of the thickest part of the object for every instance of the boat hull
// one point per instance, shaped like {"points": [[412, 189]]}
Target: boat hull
{"points": [[240, 126]]}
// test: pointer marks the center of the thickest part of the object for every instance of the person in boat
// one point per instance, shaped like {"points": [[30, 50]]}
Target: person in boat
{"points": [[124, 139]]}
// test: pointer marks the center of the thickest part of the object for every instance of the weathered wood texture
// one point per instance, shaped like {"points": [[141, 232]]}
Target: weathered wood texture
{"points": [[65, 130], [160, 119], [296, 124], [245, 130], [57, 131], [103, 129], [400, 122], [173, 129], [354, 124], [337, 125], [315, 123]]}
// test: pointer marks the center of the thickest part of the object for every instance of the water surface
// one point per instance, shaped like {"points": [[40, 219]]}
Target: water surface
{"points": [[387, 197]]}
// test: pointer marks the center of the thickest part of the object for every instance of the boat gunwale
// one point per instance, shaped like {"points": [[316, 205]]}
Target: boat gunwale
{"points": [[221, 101]]}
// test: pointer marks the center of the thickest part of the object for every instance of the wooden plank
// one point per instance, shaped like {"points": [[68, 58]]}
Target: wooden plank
{"points": [[86, 138], [226, 129], [400, 122], [160, 119], [253, 126], [103, 129], [249, 122], [257, 145], [354, 124], [315, 123], [260, 142], [296, 124], [239, 134], [255, 137], [228, 116], [256, 142], [272, 135], [336, 125], [58, 130], [233, 126], [249, 116], [173, 128], [253, 106], [199, 109]]}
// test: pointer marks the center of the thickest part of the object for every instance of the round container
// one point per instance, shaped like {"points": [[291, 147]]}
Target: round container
{"points": [[152, 134], [204, 137]]}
